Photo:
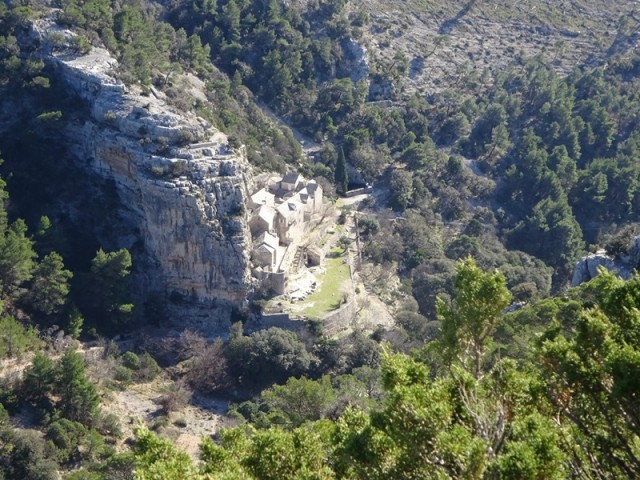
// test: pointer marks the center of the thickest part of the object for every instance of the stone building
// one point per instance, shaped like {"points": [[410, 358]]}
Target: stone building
{"points": [[292, 182], [290, 220], [282, 210], [311, 197], [260, 198], [265, 250], [262, 220]]}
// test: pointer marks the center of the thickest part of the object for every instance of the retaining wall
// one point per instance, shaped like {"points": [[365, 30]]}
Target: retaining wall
{"points": [[340, 319], [358, 191]]}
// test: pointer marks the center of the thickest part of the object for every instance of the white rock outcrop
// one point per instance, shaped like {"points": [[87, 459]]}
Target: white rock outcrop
{"points": [[624, 265], [587, 267], [355, 63]]}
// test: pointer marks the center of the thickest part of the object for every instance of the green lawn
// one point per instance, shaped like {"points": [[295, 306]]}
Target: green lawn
{"points": [[328, 296]]}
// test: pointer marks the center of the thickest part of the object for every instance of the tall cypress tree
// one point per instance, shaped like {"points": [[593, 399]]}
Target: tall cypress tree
{"points": [[341, 173]]}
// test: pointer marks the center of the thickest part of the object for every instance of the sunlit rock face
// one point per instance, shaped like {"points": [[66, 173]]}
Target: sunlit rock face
{"points": [[181, 190], [623, 265]]}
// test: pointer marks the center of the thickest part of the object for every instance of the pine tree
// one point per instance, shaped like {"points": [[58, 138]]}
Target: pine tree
{"points": [[50, 285], [468, 323], [109, 286], [78, 396], [16, 256], [38, 378]]}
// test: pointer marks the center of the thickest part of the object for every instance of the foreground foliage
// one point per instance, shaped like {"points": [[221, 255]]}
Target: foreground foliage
{"points": [[566, 409], [467, 405]]}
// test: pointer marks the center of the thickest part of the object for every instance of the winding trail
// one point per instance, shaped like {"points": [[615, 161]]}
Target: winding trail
{"points": [[308, 144]]}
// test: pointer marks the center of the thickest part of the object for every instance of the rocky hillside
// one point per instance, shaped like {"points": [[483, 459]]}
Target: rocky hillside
{"points": [[181, 188], [445, 40]]}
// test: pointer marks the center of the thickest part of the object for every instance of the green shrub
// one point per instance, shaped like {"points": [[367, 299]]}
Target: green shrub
{"points": [[131, 360], [80, 44], [123, 375], [109, 426], [9, 398], [4, 416], [148, 370], [16, 339], [178, 168], [185, 137], [160, 423], [26, 456]]}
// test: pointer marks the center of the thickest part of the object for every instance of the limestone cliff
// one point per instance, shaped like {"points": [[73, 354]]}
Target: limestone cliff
{"points": [[185, 200], [623, 265], [587, 267]]}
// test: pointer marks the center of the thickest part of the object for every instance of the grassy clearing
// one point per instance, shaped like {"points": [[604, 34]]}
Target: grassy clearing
{"points": [[324, 239], [327, 298]]}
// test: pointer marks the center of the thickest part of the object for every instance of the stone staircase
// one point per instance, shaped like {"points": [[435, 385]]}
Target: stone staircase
{"points": [[298, 259]]}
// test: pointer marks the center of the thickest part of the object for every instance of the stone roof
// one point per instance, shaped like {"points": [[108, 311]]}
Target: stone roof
{"points": [[262, 197], [312, 186], [267, 213], [289, 207], [304, 195], [292, 178], [273, 183], [267, 240]]}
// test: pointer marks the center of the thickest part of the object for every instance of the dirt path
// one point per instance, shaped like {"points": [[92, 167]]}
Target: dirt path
{"points": [[307, 143], [355, 200]]}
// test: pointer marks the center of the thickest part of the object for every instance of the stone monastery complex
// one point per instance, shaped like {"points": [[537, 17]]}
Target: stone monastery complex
{"points": [[282, 212]]}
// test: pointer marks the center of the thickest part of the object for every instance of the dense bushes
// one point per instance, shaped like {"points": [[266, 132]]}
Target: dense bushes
{"points": [[480, 411]]}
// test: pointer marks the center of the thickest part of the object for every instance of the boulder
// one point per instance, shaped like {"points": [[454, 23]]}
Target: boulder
{"points": [[587, 267]]}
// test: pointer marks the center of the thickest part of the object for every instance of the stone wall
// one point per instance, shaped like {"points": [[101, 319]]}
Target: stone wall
{"points": [[332, 324], [275, 281], [342, 318], [280, 320], [358, 191]]}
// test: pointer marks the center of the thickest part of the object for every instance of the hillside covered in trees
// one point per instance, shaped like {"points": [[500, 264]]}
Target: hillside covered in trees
{"points": [[489, 183]]}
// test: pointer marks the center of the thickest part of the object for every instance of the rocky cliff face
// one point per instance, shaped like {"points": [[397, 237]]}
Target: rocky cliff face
{"points": [[587, 267], [181, 188], [623, 265], [355, 63]]}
